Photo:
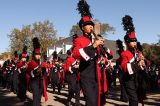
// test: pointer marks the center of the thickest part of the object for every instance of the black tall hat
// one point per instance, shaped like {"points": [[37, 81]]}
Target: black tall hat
{"points": [[36, 45], [69, 52], [86, 16], [120, 45], [55, 55], [44, 57], [74, 36], [139, 46], [129, 28], [16, 55], [24, 53]]}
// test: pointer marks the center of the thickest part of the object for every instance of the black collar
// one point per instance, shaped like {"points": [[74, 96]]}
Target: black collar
{"points": [[88, 36]]}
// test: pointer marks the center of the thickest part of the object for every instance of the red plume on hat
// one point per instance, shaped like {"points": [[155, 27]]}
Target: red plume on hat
{"points": [[129, 28], [83, 9], [36, 45]]}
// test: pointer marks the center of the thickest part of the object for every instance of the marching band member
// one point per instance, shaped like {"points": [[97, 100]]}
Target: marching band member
{"points": [[21, 67], [36, 82], [121, 48], [71, 70], [87, 51], [55, 73], [132, 61]]}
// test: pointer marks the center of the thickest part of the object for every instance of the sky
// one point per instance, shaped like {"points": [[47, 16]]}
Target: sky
{"points": [[63, 15]]}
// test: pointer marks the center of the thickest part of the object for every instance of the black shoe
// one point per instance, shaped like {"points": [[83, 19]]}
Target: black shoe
{"points": [[22, 99], [59, 93], [15, 92], [77, 104], [69, 103], [53, 90]]}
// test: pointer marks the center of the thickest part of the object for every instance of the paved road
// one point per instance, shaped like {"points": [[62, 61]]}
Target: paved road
{"points": [[9, 99]]}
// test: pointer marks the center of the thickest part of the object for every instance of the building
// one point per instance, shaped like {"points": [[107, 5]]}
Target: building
{"points": [[61, 47], [65, 44]]}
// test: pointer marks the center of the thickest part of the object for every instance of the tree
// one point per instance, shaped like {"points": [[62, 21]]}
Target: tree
{"points": [[104, 29], [75, 30], [5, 55], [158, 39], [17, 38], [43, 30], [147, 51], [151, 52], [46, 33]]}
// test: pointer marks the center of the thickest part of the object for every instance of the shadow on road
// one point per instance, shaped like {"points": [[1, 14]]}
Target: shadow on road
{"points": [[7, 98], [61, 100], [152, 98]]}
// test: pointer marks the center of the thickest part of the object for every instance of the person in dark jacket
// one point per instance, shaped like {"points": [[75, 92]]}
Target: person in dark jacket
{"points": [[22, 69], [121, 48], [34, 68], [71, 70], [55, 73], [86, 49], [132, 62]]}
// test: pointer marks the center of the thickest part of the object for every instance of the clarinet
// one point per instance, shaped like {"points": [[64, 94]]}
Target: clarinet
{"points": [[136, 54], [102, 48], [138, 59]]}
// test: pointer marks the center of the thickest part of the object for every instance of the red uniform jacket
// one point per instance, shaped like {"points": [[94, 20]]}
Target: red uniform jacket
{"points": [[33, 66], [85, 52], [44, 68], [69, 61], [128, 62], [20, 65], [68, 66]]}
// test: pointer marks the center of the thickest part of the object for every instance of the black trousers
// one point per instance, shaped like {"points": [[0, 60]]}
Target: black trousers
{"points": [[4, 81], [15, 83], [90, 91], [37, 89], [131, 89], [142, 78], [56, 84], [1, 79], [22, 87], [74, 87], [123, 96]]}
